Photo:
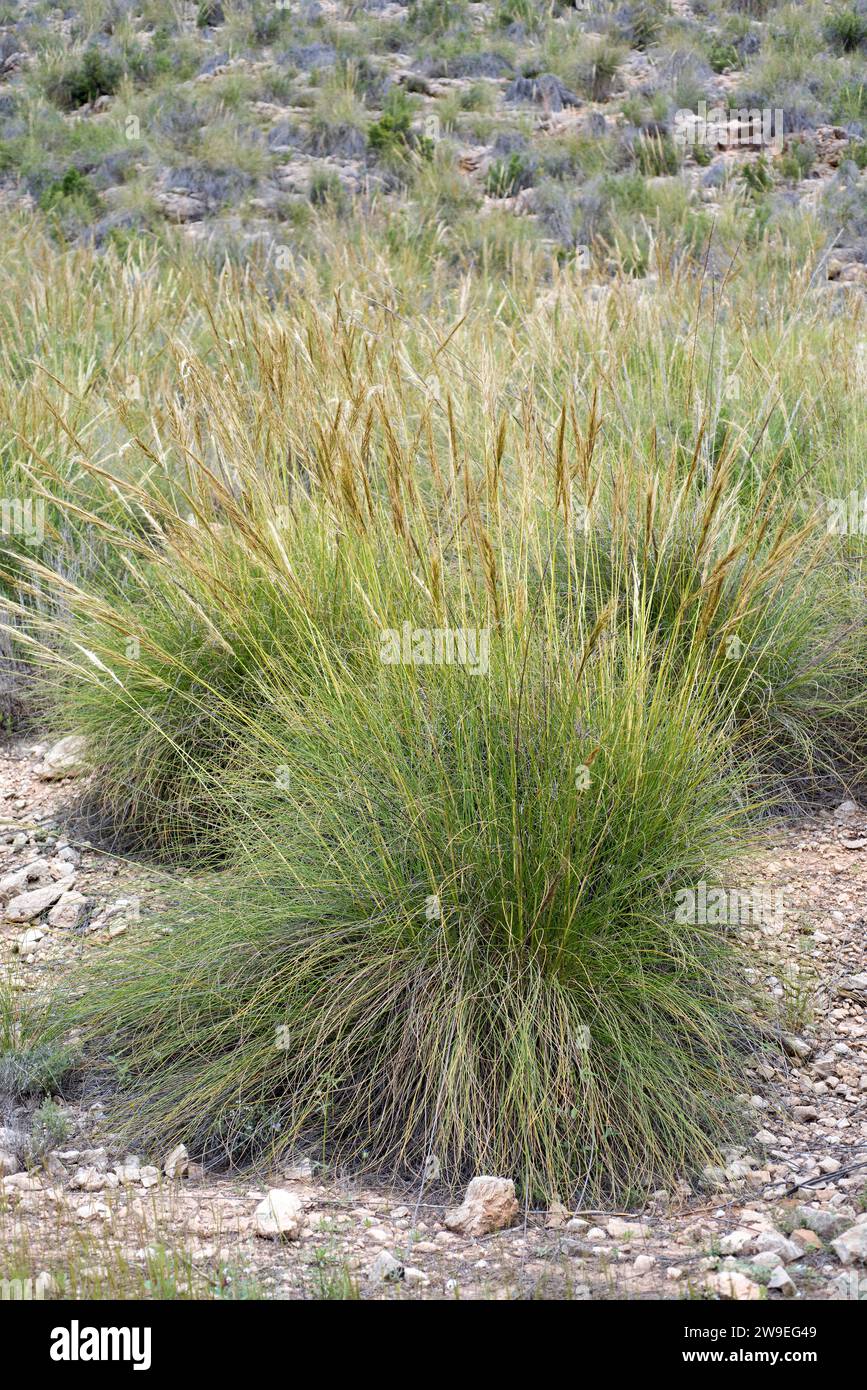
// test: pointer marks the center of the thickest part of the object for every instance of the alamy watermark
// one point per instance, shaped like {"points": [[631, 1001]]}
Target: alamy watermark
{"points": [[847, 516], [728, 907], [736, 126], [850, 1284], [24, 517], [436, 646], [77, 1343], [25, 1290]]}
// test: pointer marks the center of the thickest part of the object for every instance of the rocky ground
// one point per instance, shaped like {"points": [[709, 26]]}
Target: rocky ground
{"points": [[784, 1217], [235, 130]]}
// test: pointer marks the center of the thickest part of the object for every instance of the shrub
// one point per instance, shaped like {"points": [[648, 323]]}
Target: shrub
{"points": [[857, 152], [32, 1061], [326, 190], [392, 136], [600, 71], [507, 177], [642, 24], [756, 9], [756, 176], [210, 13], [846, 30], [850, 101], [49, 1128], [523, 12], [657, 155], [338, 123], [557, 207], [798, 159], [431, 18], [97, 73], [723, 55], [73, 190]]}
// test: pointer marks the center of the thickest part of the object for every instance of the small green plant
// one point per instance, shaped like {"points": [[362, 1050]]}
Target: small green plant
{"points": [[480, 96], [797, 1001], [857, 152], [633, 109], [797, 160], [334, 1280], [601, 70], [95, 74], [49, 1129], [210, 13], [32, 1061], [657, 155], [850, 102], [722, 55], [430, 18], [326, 190], [35, 1070], [507, 177], [756, 9], [643, 24], [268, 23], [756, 176], [392, 135], [73, 191], [846, 30], [527, 13]]}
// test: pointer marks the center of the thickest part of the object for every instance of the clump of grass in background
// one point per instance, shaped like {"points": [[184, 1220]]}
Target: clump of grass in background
{"points": [[757, 177], [85, 364], [760, 592], [431, 18], [392, 137], [798, 160], [338, 123], [642, 23], [33, 1061], [722, 55], [96, 73], [846, 30], [209, 13], [72, 192], [49, 1128], [149, 674], [600, 69], [657, 155], [507, 177]]}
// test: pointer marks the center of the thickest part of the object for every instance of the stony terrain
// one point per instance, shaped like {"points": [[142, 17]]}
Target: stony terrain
{"points": [[785, 1216], [509, 123]]}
